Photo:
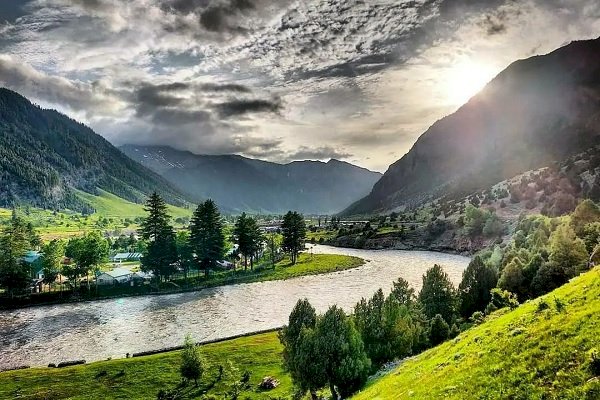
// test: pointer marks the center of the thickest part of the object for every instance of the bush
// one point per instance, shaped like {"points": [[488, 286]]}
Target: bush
{"points": [[501, 299], [594, 363], [191, 362], [439, 330], [477, 318], [542, 305]]}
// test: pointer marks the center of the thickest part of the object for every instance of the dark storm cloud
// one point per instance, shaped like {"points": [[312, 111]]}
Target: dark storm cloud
{"points": [[178, 104], [242, 107], [225, 87]]}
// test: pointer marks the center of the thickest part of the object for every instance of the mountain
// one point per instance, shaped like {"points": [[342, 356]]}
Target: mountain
{"points": [[238, 183], [537, 111], [45, 156]]}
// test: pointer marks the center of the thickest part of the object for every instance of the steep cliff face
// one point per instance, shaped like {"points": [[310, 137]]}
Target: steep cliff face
{"points": [[538, 110]]}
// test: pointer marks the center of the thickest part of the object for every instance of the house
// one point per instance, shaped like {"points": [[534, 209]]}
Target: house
{"points": [[117, 275], [226, 264], [32, 256], [120, 257]]}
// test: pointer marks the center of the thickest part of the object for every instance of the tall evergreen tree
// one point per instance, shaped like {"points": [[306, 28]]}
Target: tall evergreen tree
{"points": [[157, 221], [438, 295], [207, 239], [293, 229], [14, 243], [299, 350], [474, 289], [161, 253]]}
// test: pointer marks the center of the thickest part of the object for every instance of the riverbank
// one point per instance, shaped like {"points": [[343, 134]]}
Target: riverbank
{"points": [[308, 264], [143, 377], [421, 238]]}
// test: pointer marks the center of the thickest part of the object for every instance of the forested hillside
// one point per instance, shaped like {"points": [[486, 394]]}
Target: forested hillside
{"points": [[45, 154], [545, 349]]}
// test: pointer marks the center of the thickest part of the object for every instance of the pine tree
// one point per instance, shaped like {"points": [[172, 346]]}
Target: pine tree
{"points": [[207, 239], [161, 253], [438, 294], [14, 243], [293, 229], [157, 221], [474, 289]]}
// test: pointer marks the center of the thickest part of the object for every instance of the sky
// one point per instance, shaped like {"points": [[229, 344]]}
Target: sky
{"points": [[280, 80]]}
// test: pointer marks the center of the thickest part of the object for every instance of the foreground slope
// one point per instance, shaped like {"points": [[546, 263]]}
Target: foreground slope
{"points": [[537, 111], [528, 353], [238, 183], [44, 155]]}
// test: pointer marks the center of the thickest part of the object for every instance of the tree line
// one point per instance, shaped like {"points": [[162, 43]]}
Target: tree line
{"points": [[204, 243], [164, 251]]}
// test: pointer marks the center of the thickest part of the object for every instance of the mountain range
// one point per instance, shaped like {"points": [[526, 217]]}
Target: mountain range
{"points": [[239, 184], [538, 110], [45, 157]]}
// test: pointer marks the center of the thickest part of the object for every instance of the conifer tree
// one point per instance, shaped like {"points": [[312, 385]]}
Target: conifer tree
{"points": [[207, 239], [293, 229], [161, 252]]}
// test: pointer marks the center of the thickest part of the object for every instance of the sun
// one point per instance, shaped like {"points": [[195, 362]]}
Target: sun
{"points": [[465, 79]]}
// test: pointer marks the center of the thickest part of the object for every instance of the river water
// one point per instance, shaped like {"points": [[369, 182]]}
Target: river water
{"points": [[111, 328]]}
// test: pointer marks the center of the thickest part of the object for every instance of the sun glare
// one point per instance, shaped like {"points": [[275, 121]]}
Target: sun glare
{"points": [[466, 79]]}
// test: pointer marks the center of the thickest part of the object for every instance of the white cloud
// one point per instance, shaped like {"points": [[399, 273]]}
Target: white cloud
{"points": [[352, 79]]}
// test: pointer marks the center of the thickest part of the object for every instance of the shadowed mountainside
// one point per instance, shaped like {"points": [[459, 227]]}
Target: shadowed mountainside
{"points": [[243, 184], [536, 111]]}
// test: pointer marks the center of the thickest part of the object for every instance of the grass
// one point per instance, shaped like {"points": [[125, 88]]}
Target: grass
{"points": [[307, 264], [143, 377], [532, 352], [109, 205], [320, 234], [112, 214]]}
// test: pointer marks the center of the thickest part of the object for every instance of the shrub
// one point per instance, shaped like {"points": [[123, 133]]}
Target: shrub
{"points": [[594, 362], [191, 362], [477, 318], [439, 330], [542, 305]]}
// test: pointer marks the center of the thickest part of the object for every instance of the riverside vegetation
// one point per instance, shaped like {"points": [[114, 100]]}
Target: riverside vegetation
{"points": [[173, 259]]}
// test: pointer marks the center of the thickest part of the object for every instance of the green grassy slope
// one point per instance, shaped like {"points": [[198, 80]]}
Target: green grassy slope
{"points": [[109, 205], [528, 353], [143, 377]]}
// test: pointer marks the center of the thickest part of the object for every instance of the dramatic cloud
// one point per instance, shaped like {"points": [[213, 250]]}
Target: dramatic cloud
{"points": [[276, 79]]}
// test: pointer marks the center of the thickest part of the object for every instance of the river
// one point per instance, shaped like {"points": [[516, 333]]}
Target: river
{"points": [[111, 328]]}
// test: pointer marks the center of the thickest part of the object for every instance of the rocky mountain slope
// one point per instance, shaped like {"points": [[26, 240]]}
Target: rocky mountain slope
{"points": [[238, 183], [537, 111]]}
